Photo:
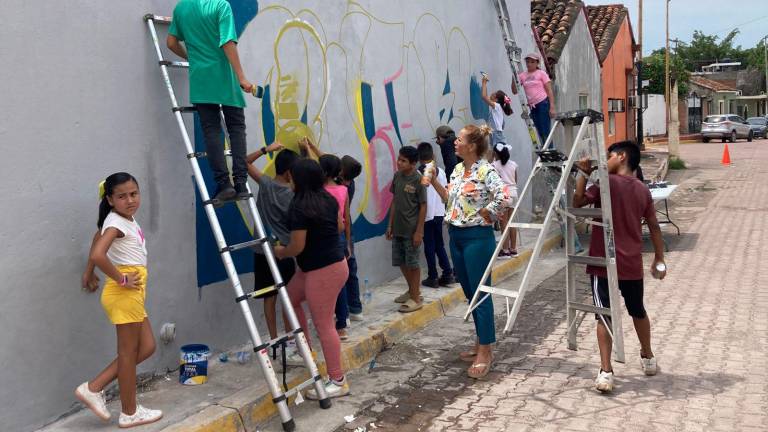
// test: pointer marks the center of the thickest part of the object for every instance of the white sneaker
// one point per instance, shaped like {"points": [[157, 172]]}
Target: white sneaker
{"points": [[604, 382], [95, 401], [142, 416], [333, 389], [649, 365], [356, 317]]}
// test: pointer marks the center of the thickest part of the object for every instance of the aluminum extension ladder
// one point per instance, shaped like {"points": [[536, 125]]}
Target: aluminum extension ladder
{"points": [[279, 395], [554, 162], [514, 55]]}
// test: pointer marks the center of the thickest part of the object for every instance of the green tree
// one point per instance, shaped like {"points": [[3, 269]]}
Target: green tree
{"points": [[707, 49], [653, 70]]}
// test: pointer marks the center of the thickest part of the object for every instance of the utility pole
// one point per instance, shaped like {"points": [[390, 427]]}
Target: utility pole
{"points": [[666, 70], [765, 49], [639, 103]]}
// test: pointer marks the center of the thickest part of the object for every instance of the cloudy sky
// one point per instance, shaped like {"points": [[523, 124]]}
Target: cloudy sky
{"points": [[710, 16]]}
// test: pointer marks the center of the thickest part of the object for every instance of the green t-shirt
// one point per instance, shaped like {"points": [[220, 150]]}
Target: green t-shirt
{"points": [[205, 26], [408, 195]]}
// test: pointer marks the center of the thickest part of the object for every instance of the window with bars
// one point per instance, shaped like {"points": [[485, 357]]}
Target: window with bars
{"points": [[615, 105]]}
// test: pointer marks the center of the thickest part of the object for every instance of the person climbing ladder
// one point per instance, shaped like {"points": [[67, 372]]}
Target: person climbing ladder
{"points": [[207, 28]]}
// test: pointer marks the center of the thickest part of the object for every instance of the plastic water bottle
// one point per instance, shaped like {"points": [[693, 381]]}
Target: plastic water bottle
{"points": [[367, 294]]}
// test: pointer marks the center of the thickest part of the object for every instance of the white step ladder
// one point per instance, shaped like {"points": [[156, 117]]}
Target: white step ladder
{"points": [[279, 395], [553, 162], [514, 55]]}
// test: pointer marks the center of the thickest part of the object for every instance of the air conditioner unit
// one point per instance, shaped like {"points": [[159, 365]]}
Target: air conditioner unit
{"points": [[615, 105]]}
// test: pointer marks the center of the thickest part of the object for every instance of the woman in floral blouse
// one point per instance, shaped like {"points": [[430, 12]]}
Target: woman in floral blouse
{"points": [[475, 196]]}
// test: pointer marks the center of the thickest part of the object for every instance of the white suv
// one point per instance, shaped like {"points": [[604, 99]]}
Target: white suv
{"points": [[726, 127]]}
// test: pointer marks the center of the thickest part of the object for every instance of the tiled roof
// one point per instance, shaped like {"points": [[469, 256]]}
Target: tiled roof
{"points": [[553, 20], [605, 23], [710, 84]]}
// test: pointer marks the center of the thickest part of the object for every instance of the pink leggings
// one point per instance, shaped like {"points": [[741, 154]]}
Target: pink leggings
{"points": [[320, 288]]}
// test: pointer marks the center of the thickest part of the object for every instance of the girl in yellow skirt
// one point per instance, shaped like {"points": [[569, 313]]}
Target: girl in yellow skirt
{"points": [[118, 250]]}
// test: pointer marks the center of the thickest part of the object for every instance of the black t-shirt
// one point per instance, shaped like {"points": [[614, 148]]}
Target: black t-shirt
{"points": [[322, 247]]}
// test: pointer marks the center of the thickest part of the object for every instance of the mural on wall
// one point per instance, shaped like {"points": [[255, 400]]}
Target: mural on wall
{"points": [[355, 84]]}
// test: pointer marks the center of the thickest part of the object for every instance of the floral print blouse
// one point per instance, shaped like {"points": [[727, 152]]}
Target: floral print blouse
{"points": [[483, 188]]}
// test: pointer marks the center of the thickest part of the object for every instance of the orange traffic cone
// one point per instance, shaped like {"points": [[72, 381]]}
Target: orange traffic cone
{"points": [[726, 156]]}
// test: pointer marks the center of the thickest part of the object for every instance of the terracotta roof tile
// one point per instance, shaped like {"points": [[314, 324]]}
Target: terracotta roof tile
{"points": [[605, 23], [552, 20], [710, 84]]}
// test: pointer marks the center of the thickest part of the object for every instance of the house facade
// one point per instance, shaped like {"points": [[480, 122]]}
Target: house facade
{"points": [[572, 62], [616, 48]]}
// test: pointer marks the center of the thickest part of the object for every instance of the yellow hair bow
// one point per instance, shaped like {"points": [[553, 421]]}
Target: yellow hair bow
{"points": [[101, 189]]}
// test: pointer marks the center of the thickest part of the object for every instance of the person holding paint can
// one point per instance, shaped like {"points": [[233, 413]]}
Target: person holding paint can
{"points": [[119, 250]]}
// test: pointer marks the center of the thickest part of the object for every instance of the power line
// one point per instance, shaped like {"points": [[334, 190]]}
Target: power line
{"points": [[729, 29]]}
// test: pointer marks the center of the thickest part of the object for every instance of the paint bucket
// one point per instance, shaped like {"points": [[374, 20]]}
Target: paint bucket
{"points": [[194, 364]]}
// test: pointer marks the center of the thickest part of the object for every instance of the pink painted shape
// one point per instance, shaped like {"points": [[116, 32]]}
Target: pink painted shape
{"points": [[381, 196], [406, 125], [395, 76]]}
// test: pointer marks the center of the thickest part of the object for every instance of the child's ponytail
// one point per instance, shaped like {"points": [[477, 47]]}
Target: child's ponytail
{"points": [[106, 188], [505, 102], [502, 153]]}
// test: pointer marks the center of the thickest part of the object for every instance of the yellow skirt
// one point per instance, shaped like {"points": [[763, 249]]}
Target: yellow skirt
{"points": [[125, 305]]}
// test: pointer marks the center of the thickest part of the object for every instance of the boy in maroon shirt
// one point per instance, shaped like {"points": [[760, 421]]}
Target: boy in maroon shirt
{"points": [[630, 203]]}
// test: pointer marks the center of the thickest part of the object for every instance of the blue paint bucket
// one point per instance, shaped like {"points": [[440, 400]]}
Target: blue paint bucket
{"points": [[194, 364]]}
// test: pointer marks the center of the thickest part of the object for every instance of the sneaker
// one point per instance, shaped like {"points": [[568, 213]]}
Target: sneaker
{"points": [[142, 416], [224, 192], [432, 283], [343, 335], [512, 253], [649, 365], [356, 316], [503, 254], [333, 389], [241, 191], [446, 280], [604, 381], [95, 401]]}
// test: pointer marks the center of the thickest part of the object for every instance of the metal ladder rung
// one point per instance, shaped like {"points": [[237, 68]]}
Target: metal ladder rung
{"points": [[184, 109], [586, 212], [524, 225], [588, 260], [244, 245], [498, 291], [203, 154], [302, 386], [278, 340], [158, 18], [589, 308], [174, 64]]}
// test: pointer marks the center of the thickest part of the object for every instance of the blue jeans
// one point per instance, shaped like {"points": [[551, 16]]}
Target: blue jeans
{"points": [[472, 248], [541, 119], [433, 245]]}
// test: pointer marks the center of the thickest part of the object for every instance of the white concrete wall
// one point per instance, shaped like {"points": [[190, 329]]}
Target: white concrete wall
{"points": [[655, 116], [577, 72], [82, 98]]}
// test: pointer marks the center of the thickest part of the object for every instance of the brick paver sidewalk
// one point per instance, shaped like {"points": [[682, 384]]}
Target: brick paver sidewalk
{"points": [[710, 333]]}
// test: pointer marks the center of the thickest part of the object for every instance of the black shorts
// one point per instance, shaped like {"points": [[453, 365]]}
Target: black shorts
{"points": [[262, 277], [631, 290]]}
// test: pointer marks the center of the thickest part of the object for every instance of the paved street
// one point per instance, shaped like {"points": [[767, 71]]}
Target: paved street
{"points": [[709, 317]]}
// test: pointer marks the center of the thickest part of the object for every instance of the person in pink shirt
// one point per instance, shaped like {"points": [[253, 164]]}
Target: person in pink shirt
{"points": [[538, 90], [331, 165]]}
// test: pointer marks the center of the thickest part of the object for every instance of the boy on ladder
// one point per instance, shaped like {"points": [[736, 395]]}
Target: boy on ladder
{"points": [[630, 203], [207, 29]]}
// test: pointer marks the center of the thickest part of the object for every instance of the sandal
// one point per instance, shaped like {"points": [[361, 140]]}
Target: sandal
{"points": [[483, 367], [404, 297], [410, 306]]}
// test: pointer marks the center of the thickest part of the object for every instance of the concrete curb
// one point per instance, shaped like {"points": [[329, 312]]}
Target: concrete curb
{"points": [[250, 407]]}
